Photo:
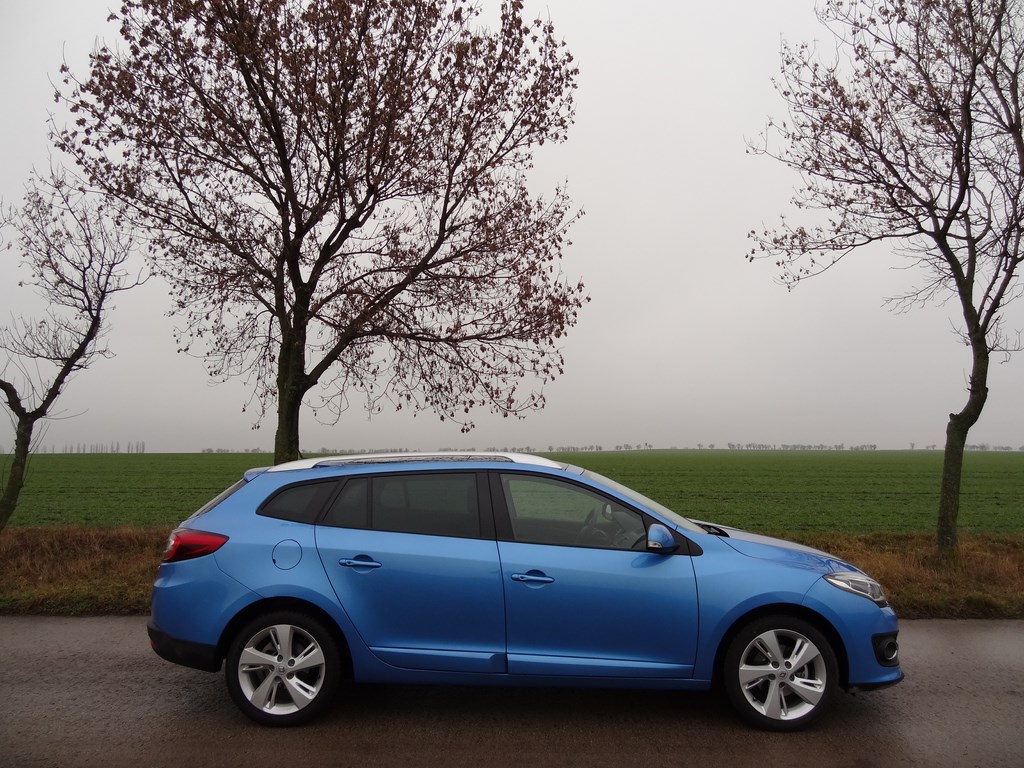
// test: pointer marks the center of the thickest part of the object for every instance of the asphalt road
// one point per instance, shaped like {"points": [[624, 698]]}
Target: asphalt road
{"points": [[87, 692]]}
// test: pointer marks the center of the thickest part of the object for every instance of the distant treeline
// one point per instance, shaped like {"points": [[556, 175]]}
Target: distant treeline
{"points": [[800, 447], [140, 447], [115, 447], [844, 447]]}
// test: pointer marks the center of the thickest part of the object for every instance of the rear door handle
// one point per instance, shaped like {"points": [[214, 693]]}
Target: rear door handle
{"points": [[361, 561], [532, 577]]}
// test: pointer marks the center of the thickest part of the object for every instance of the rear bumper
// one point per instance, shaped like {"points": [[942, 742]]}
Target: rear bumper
{"points": [[184, 652]]}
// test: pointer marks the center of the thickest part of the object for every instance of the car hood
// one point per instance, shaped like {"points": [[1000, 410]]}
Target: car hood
{"points": [[769, 548]]}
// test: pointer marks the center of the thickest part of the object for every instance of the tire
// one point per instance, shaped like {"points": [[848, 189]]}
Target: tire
{"points": [[283, 668], [780, 673]]}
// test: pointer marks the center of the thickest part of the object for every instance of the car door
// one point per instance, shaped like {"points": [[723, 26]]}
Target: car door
{"points": [[416, 571], [582, 594]]}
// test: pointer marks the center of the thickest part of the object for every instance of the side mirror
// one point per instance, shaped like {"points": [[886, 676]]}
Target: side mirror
{"points": [[660, 540]]}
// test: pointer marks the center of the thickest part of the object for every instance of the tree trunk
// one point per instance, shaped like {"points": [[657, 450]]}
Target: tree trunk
{"points": [[19, 463], [292, 385], [953, 458], [286, 440], [949, 493]]}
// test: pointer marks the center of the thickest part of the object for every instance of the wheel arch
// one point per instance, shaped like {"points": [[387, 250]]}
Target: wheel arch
{"points": [[271, 604], [812, 617]]}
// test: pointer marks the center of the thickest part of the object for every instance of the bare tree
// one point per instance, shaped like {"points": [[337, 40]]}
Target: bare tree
{"points": [[337, 193], [912, 135], [76, 257]]}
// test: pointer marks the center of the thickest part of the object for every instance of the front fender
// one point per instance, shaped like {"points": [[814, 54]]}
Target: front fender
{"points": [[724, 579], [856, 620]]}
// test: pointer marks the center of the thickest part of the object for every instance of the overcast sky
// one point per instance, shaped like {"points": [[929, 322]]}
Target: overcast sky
{"points": [[683, 344]]}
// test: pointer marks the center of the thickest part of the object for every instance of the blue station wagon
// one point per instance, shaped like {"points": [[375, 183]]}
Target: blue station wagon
{"points": [[503, 569]]}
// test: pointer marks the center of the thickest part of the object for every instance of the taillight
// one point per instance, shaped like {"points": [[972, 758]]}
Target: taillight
{"points": [[185, 544]]}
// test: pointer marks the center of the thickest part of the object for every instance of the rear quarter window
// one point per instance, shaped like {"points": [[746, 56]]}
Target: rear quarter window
{"points": [[298, 503]]}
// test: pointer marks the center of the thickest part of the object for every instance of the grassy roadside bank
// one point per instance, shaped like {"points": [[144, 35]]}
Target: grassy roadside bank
{"points": [[84, 570]]}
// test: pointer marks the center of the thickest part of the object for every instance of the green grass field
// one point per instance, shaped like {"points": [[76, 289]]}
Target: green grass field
{"points": [[90, 528], [819, 492], [794, 493]]}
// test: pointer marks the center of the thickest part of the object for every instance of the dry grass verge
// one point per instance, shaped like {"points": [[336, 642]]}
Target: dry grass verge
{"points": [[986, 582], [90, 571], [78, 570]]}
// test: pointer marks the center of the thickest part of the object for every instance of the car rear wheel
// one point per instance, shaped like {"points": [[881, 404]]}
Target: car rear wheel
{"points": [[283, 668], [780, 673]]}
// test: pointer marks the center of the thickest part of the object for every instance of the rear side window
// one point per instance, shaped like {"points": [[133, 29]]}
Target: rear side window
{"points": [[426, 503], [298, 503], [351, 509]]}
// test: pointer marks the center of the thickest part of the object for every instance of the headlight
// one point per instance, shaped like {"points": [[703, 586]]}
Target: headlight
{"points": [[858, 584]]}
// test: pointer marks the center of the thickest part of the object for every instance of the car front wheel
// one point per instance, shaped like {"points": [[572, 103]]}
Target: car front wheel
{"points": [[283, 668], [780, 673]]}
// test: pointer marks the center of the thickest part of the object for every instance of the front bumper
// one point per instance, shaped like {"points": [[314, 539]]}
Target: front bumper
{"points": [[876, 686], [868, 634]]}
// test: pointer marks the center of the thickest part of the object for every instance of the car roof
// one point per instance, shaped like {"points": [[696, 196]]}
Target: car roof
{"points": [[404, 458]]}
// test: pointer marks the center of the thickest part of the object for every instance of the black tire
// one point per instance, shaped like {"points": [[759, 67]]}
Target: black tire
{"points": [[283, 668], [780, 673]]}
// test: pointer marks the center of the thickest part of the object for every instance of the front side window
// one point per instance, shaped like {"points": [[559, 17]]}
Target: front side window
{"points": [[548, 511], [638, 498]]}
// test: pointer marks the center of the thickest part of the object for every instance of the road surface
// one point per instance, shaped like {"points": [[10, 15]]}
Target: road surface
{"points": [[78, 693]]}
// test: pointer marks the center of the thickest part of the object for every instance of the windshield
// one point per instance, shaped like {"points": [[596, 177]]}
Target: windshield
{"points": [[643, 501]]}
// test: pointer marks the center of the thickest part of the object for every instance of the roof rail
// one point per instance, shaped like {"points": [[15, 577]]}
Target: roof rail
{"points": [[405, 458], [412, 457]]}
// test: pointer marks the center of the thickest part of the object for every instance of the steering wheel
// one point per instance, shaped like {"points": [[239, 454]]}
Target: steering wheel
{"points": [[590, 533]]}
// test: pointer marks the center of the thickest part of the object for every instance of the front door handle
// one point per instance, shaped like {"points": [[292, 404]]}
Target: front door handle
{"points": [[532, 577]]}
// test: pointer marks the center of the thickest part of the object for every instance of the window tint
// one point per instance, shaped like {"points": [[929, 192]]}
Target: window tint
{"points": [[546, 511], [434, 504], [350, 509], [298, 503]]}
